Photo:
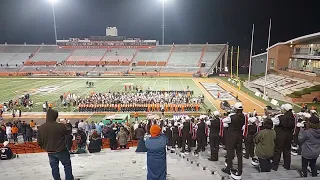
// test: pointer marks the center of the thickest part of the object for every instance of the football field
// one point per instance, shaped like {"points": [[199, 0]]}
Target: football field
{"points": [[50, 89]]}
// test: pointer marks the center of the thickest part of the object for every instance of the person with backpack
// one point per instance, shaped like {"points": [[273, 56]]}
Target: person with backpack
{"points": [[309, 139]]}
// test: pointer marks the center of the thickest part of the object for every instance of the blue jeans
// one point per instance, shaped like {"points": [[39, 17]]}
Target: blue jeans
{"points": [[64, 157]]}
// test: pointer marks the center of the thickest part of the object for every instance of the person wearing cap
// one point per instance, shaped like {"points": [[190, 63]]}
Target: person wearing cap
{"points": [[248, 141], [214, 124], [310, 145], [264, 141], [237, 128], [201, 129], [6, 152], [156, 154], [186, 127], [284, 125], [52, 138]]}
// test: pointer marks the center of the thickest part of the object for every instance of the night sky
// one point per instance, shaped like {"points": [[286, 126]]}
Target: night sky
{"points": [[187, 21]]}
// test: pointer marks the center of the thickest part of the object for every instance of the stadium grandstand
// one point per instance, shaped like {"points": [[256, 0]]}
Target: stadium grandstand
{"points": [[113, 84], [122, 55], [298, 57]]}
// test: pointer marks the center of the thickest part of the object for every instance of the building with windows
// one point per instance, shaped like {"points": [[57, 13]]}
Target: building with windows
{"points": [[299, 57]]}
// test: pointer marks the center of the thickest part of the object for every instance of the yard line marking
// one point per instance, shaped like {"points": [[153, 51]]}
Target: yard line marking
{"points": [[241, 94], [182, 84], [154, 84], [168, 84]]}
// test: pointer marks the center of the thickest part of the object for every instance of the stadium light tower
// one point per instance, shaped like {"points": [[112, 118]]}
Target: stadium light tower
{"points": [[54, 19], [163, 26]]}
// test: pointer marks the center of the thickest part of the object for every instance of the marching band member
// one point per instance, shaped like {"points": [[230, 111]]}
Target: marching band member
{"points": [[214, 124], [238, 127], [284, 125]]}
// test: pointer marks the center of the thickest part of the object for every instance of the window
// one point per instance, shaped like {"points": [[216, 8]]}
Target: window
{"points": [[271, 63]]}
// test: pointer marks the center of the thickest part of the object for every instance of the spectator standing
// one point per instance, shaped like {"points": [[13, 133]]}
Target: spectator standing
{"points": [[32, 124], [3, 135], [264, 141], [52, 138], [9, 132], [122, 137], [81, 125], [29, 133], [310, 142], [23, 130], [156, 154]]}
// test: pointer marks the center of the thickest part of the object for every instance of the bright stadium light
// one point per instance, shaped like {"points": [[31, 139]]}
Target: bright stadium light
{"points": [[54, 19]]}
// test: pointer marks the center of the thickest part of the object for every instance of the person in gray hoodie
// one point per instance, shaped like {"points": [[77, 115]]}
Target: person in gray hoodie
{"points": [[310, 145]]}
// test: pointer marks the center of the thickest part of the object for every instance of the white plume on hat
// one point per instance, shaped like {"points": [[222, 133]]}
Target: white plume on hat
{"points": [[238, 105], [287, 107], [5, 143], [216, 113], [307, 115], [252, 119]]}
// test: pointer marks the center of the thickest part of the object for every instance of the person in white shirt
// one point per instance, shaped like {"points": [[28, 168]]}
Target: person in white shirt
{"points": [[8, 132], [81, 125]]}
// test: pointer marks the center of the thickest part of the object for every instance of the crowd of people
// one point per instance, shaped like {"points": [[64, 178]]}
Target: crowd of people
{"points": [[12, 131], [264, 138], [149, 101]]}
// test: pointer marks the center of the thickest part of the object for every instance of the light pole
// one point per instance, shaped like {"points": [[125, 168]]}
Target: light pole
{"points": [[54, 20], [163, 26]]}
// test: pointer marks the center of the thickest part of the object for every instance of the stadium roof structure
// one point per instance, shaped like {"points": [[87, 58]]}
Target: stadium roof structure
{"points": [[299, 40]]}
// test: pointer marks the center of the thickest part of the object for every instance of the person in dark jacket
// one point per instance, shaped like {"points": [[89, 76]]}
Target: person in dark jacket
{"points": [[52, 138], [310, 141], [214, 125], [113, 137], [186, 135], [284, 126], [248, 141], [237, 123], [201, 136], [29, 133], [24, 130], [176, 139], [139, 132], [6, 152], [95, 144], [168, 134], [3, 135]]}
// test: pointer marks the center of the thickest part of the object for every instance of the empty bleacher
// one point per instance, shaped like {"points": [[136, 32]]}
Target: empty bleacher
{"points": [[186, 55], [115, 69], [13, 59], [146, 69], [36, 69], [180, 69], [282, 84], [119, 54], [153, 57], [19, 49], [73, 69], [9, 69], [83, 56], [51, 53]]}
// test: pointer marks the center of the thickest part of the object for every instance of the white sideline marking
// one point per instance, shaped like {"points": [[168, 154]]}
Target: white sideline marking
{"points": [[203, 92], [241, 94]]}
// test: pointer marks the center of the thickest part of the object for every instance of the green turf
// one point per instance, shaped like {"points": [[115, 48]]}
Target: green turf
{"points": [[13, 88]]}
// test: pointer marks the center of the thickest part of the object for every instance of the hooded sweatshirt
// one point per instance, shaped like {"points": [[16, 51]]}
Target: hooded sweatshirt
{"points": [[52, 136], [310, 140]]}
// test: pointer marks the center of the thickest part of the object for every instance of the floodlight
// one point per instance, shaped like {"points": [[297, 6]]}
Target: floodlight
{"points": [[53, 1]]}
